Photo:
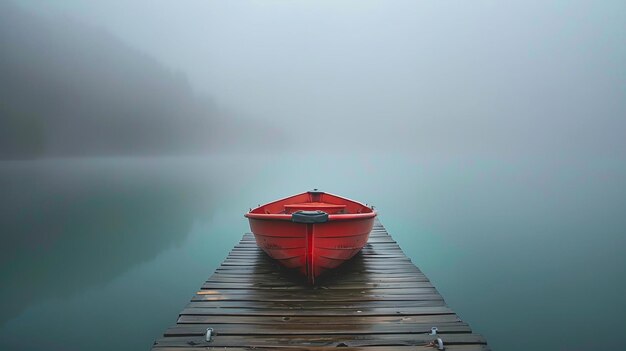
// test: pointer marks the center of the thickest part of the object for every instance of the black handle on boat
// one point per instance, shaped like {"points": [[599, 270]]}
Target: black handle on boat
{"points": [[309, 217]]}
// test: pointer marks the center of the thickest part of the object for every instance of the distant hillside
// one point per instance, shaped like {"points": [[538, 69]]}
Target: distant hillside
{"points": [[69, 89]]}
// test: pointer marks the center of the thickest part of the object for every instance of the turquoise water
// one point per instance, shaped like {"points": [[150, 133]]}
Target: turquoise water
{"points": [[103, 253]]}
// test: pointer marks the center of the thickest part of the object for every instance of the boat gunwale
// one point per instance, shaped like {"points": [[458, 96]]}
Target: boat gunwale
{"points": [[331, 217]]}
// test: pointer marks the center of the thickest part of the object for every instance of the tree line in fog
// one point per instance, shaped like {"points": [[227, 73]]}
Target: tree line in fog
{"points": [[70, 89]]}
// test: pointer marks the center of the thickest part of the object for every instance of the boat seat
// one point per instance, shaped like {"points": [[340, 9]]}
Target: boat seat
{"points": [[314, 206]]}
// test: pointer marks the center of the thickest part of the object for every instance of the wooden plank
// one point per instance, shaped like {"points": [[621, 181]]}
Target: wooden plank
{"points": [[273, 286], [472, 347], [318, 340], [379, 300], [280, 322], [316, 305], [370, 278], [368, 275], [322, 292], [357, 270], [380, 311], [242, 295], [354, 281], [314, 329]]}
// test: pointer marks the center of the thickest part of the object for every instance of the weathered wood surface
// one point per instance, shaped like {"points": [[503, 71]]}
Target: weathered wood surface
{"points": [[377, 301]]}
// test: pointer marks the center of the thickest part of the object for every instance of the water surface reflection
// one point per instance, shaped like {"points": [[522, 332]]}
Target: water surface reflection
{"points": [[119, 246]]}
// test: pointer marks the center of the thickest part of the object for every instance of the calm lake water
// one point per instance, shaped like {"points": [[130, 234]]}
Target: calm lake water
{"points": [[102, 254]]}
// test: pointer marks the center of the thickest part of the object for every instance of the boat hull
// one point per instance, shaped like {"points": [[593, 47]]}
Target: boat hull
{"points": [[312, 248]]}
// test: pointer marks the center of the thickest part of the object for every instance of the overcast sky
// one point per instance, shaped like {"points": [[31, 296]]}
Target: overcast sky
{"points": [[485, 76]]}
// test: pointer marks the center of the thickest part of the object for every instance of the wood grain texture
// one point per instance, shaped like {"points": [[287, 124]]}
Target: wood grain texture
{"points": [[379, 300]]}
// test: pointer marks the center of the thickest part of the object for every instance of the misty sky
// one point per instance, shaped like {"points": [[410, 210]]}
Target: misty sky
{"points": [[535, 77]]}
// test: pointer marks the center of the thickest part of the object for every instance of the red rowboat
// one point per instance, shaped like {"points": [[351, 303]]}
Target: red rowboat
{"points": [[313, 231]]}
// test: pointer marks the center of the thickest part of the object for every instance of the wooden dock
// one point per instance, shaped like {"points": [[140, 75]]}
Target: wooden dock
{"points": [[377, 301]]}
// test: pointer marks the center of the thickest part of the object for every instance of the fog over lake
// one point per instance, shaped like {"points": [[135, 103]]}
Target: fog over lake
{"points": [[135, 134]]}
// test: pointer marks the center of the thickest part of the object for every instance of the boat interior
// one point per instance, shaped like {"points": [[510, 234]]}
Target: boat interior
{"points": [[313, 201]]}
